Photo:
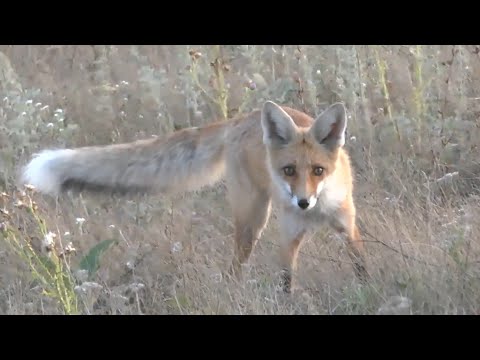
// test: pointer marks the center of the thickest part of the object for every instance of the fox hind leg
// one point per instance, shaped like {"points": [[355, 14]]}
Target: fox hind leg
{"points": [[251, 210]]}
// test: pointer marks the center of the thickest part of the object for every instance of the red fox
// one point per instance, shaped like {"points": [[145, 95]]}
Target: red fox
{"points": [[273, 156]]}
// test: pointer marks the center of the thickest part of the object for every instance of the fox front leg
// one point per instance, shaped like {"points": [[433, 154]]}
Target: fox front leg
{"points": [[345, 223], [289, 249]]}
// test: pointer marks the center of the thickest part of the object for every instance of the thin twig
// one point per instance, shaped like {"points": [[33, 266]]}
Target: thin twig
{"points": [[331, 259], [375, 240]]}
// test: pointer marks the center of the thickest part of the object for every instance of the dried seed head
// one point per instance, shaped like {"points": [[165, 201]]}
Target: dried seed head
{"points": [[194, 54], [296, 77], [69, 249], [298, 54]]}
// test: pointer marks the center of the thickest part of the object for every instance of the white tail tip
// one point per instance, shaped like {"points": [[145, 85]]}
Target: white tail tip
{"points": [[40, 171]]}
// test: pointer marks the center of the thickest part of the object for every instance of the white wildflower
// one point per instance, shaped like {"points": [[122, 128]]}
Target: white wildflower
{"points": [[118, 297], [87, 287], [447, 177], [29, 187], [136, 287], [79, 220], [396, 305], [48, 241], [177, 247], [19, 204], [81, 275], [28, 102], [50, 125], [45, 107], [38, 104], [217, 278]]}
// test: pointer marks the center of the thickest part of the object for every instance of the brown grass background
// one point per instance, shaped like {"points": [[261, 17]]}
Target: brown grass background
{"points": [[413, 136]]}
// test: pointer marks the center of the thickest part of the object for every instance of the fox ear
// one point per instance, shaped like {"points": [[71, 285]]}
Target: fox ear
{"points": [[278, 127], [329, 127]]}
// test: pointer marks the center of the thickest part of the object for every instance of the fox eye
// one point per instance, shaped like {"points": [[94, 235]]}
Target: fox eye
{"points": [[318, 170], [289, 170]]}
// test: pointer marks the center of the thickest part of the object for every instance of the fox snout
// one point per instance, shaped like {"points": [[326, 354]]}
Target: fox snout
{"points": [[303, 203], [304, 197]]}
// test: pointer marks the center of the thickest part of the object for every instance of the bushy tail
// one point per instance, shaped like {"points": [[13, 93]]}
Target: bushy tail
{"points": [[185, 161]]}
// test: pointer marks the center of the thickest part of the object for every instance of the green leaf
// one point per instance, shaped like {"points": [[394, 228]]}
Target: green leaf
{"points": [[90, 262]]}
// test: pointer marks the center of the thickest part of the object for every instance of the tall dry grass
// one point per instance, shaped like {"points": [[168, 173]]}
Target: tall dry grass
{"points": [[413, 130]]}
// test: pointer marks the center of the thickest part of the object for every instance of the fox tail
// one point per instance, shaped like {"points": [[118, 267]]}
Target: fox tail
{"points": [[184, 161]]}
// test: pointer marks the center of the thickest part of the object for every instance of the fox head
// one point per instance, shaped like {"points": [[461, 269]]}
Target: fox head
{"points": [[302, 151]]}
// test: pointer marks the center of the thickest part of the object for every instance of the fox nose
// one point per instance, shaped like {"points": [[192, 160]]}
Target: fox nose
{"points": [[303, 203]]}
